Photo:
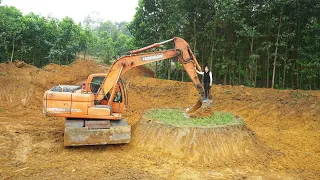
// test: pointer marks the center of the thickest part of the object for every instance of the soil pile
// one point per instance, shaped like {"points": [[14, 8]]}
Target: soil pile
{"points": [[23, 85], [215, 145]]}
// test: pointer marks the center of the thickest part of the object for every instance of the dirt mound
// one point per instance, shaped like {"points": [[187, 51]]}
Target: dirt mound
{"points": [[287, 120], [19, 64], [23, 86], [139, 71], [229, 145]]}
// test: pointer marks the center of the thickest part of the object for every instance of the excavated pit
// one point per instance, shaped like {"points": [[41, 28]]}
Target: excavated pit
{"points": [[218, 144]]}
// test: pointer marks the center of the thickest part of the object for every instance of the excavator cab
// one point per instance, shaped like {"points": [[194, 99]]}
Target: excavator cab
{"points": [[94, 84]]}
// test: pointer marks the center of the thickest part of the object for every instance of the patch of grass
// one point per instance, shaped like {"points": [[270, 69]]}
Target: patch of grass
{"points": [[228, 91], [176, 117]]}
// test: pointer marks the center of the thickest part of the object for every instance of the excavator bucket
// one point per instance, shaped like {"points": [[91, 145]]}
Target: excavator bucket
{"points": [[200, 107], [195, 107], [98, 132]]}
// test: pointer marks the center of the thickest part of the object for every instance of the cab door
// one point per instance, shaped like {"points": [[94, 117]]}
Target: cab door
{"points": [[120, 100]]}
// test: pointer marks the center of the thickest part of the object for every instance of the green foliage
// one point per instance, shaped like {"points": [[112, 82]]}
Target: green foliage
{"points": [[243, 42], [39, 41], [176, 118], [110, 41], [238, 39], [10, 30]]}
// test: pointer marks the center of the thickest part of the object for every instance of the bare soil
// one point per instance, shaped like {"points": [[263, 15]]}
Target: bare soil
{"points": [[281, 139]]}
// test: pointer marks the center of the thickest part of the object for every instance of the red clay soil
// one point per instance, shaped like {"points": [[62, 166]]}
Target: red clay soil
{"points": [[286, 124]]}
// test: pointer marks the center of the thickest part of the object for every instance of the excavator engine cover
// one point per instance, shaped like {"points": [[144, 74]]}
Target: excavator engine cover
{"points": [[96, 132]]}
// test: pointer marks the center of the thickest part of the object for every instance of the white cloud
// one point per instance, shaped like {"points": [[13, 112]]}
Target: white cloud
{"points": [[114, 10]]}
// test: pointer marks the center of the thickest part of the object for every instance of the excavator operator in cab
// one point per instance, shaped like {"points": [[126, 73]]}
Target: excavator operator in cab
{"points": [[207, 81]]}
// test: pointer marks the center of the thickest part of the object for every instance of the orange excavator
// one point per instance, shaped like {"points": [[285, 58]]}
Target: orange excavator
{"points": [[93, 113]]}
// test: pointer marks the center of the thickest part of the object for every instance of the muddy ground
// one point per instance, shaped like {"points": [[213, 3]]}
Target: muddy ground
{"points": [[281, 138]]}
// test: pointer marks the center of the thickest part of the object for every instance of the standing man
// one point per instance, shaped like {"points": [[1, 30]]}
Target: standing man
{"points": [[207, 80]]}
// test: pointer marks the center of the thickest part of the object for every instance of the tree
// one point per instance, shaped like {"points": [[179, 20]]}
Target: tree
{"points": [[68, 40], [244, 42], [10, 27]]}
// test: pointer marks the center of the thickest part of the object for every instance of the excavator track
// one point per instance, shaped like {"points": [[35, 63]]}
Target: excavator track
{"points": [[79, 132]]}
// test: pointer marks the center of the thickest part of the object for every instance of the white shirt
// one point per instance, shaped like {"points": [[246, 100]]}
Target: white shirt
{"points": [[202, 73]]}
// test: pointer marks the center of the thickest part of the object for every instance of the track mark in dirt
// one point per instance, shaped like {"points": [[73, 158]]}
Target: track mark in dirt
{"points": [[22, 142], [6, 142], [23, 148]]}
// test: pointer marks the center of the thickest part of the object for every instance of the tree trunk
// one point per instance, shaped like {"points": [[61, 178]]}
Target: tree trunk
{"points": [[275, 54], [12, 49], [6, 48], [156, 69], [250, 54], [229, 74], [169, 69], [213, 52], [279, 77], [21, 50], [246, 73], [194, 32], [239, 71], [233, 68], [176, 72], [292, 70], [268, 59], [298, 76], [211, 60], [256, 72], [284, 74], [284, 64], [202, 59], [182, 75], [34, 54]]}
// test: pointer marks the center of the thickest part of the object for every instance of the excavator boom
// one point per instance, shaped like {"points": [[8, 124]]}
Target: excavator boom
{"points": [[181, 51]]}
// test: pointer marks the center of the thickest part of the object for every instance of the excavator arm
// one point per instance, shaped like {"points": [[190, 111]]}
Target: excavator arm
{"points": [[181, 51]]}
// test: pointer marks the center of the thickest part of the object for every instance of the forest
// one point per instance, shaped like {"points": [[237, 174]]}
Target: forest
{"points": [[42, 40], [256, 43]]}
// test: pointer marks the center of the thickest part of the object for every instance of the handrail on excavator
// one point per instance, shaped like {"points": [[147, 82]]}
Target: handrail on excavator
{"points": [[155, 45]]}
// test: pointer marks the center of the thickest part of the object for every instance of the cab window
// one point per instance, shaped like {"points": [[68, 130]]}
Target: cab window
{"points": [[96, 83]]}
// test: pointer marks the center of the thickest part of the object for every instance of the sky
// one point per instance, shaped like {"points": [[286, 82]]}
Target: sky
{"points": [[114, 10]]}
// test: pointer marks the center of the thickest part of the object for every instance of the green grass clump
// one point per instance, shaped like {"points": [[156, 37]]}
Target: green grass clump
{"points": [[176, 117]]}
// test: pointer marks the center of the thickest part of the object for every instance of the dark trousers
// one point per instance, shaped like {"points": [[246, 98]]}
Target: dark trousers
{"points": [[206, 88]]}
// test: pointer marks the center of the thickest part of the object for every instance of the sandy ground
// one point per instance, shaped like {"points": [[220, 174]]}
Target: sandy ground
{"points": [[281, 140]]}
